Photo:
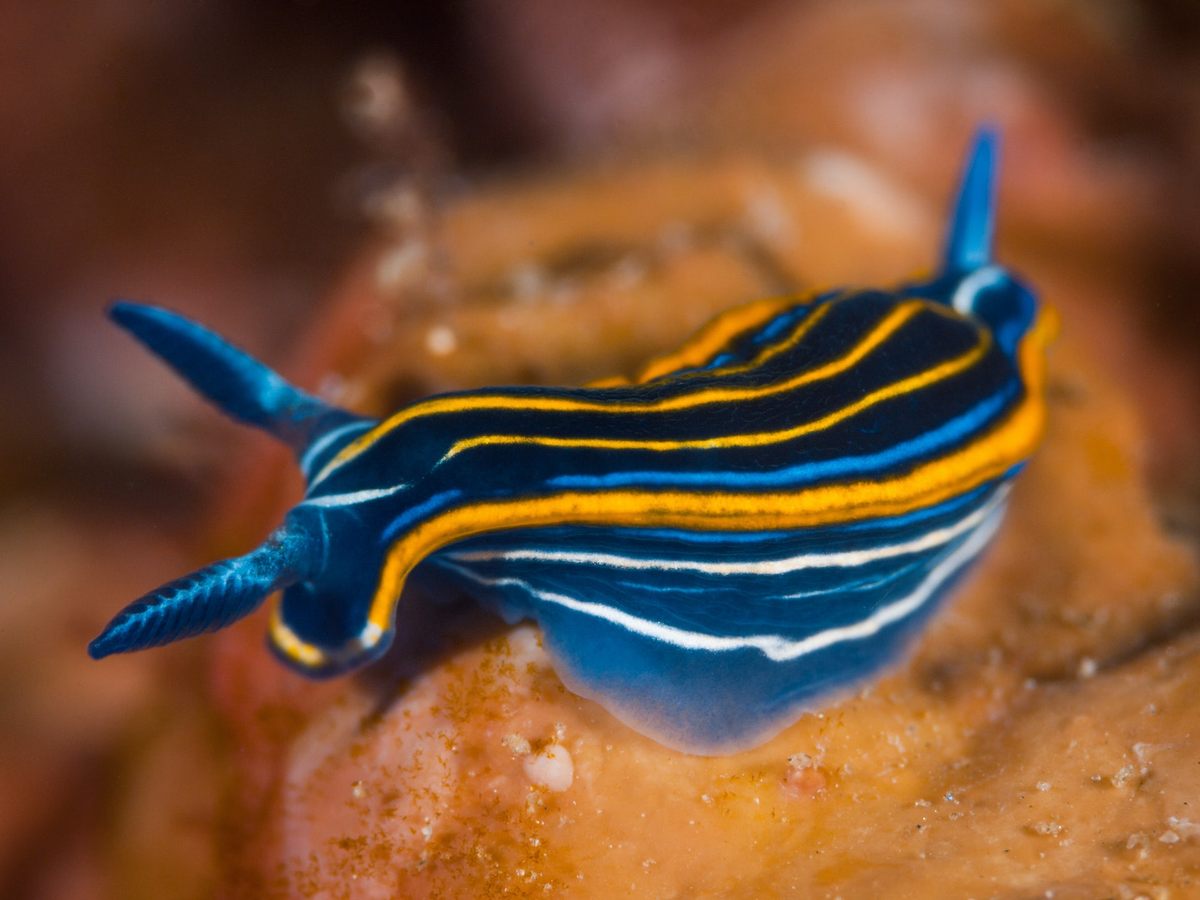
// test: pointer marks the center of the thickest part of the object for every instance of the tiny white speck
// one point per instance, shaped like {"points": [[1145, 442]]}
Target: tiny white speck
{"points": [[1043, 786], [1169, 837], [1087, 667]]}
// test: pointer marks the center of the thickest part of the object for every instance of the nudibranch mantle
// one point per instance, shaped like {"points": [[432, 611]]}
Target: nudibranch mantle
{"points": [[754, 523]]}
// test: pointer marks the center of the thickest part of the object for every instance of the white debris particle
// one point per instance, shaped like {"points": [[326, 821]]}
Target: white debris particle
{"points": [[766, 215], [551, 769], [628, 273], [565, 292], [1046, 829], [398, 206], [1123, 775], [675, 238], [527, 281], [707, 799], [1087, 667], [1185, 827], [358, 790], [1138, 840], [1169, 837], [378, 102], [525, 647], [1043, 786], [1142, 751], [516, 743], [441, 340], [874, 198], [427, 832], [401, 265], [332, 387]]}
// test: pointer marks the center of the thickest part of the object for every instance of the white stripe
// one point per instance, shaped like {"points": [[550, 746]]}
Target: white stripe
{"points": [[354, 497], [325, 440], [973, 285], [844, 559], [775, 647]]}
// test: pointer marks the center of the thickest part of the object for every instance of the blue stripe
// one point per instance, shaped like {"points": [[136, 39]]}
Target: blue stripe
{"points": [[947, 434], [433, 504]]}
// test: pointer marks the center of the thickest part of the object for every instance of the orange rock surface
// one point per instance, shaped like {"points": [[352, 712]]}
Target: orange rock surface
{"points": [[1040, 737]]}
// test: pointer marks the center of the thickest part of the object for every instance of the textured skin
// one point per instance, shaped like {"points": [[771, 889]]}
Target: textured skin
{"points": [[755, 521]]}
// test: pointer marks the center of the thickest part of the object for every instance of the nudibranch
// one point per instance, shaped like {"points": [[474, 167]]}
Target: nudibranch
{"points": [[751, 525]]}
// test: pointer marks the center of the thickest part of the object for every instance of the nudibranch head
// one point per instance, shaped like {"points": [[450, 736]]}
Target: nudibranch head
{"points": [[755, 521]]}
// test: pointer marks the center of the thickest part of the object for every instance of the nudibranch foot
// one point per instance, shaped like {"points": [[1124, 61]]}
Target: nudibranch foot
{"points": [[718, 648], [752, 525]]}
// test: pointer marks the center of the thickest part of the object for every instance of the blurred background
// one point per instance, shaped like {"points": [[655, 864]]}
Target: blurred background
{"points": [[235, 161]]}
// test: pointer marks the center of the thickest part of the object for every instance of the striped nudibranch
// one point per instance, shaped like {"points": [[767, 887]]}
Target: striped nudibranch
{"points": [[753, 524]]}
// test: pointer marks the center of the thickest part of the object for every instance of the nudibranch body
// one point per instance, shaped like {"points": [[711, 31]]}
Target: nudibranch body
{"points": [[751, 525]]}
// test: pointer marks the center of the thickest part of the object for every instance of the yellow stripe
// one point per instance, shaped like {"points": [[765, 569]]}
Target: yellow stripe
{"points": [[524, 402], [610, 382], [928, 484], [713, 336], [757, 439], [291, 645], [708, 341]]}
